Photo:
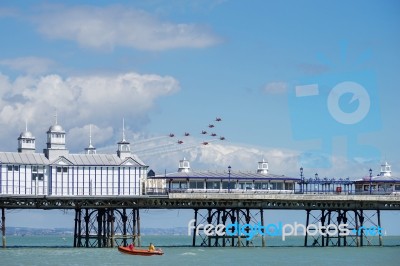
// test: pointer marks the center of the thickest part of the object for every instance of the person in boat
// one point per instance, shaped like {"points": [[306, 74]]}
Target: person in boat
{"points": [[131, 246], [151, 247]]}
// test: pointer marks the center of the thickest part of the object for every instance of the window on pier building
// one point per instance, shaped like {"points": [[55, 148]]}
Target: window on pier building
{"points": [[277, 185], [213, 185], [245, 185], [179, 185], [288, 186], [37, 176], [229, 185], [261, 185], [196, 184], [62, 169], [37, 169], [12, 167]]}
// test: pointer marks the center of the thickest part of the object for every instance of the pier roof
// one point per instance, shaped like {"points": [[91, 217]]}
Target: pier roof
{"points": [[23, 158], [74, 159], [383, 179], [100, 159], [239, 175]]}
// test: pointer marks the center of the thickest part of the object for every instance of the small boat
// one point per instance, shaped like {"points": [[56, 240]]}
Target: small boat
{"points": [[140, 252]]}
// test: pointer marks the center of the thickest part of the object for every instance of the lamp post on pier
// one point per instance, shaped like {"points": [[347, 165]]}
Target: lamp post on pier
{"points": [[370, 181], [301, 180], [229, 179]]}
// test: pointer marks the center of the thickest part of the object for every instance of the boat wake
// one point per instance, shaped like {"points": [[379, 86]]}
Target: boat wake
{"points": [[189, 254]]}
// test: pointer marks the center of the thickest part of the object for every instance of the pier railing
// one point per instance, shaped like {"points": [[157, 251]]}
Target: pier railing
{"points": [[166, 191]]}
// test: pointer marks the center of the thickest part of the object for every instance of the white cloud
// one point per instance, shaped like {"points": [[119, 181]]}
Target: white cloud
{"points": [[277, 87], [79, 100], [107, 27], [4, 86], [218, 155], [30, 65]]}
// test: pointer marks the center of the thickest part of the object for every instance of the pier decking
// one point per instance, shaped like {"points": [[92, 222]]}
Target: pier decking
{"points": [[207, 200]]}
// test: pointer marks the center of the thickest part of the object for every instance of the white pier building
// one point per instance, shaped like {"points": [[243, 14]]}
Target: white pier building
{"points": [[57, 172]]}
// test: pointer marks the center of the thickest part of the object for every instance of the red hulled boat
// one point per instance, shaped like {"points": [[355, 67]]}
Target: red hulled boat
{"points": [[140, 252]]}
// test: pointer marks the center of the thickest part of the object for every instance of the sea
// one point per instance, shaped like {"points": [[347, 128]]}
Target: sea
{"points": [[59, 250]]}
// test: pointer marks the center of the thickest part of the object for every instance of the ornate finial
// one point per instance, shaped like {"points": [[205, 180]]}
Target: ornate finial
{"points": [[90, 149], [90, 135], [26, 125], [123, 129], [55, 116]]}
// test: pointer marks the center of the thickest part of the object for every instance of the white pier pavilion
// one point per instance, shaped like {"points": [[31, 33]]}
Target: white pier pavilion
{"points": [[57, 172]]}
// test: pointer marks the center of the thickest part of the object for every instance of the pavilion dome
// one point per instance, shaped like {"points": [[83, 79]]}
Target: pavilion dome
{"points": [[56, 128], [26, 135]]}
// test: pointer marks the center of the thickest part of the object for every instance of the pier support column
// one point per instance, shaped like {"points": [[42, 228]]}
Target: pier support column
{"points": [[194, 229], [218, 222], [99, 227], [134, 224], [87, 219], [3, 227], [124, 218], [77, 228], [239, 244], [361, 233], [209, 221], [263, 230], [112, 225], [379, 228], [224, 216], [356, 228], [138, 228], [307, 222]]}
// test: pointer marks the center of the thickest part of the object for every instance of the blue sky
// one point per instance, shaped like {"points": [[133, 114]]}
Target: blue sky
{"points": [[174, 66]]}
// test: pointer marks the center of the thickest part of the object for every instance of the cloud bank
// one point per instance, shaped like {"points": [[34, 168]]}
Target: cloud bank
{"points": [[102, 100], [111, 26], [30, 65], [218, 155]]}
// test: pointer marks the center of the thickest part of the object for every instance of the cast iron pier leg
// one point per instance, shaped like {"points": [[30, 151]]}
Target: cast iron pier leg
{"points": [[263, 230], [3, 227], [194, 229], [379, 228], [307, 221], [76, 228], [138, 228]]}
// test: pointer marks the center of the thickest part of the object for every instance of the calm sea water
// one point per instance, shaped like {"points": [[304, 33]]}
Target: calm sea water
{"points": [[57, 250]]}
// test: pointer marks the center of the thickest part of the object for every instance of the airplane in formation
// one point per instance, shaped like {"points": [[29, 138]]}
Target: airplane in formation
{"points": [[217, 119]]}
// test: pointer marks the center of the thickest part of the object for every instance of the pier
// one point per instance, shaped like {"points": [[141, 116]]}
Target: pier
{"points": [[108, 221], [108, 192]]}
